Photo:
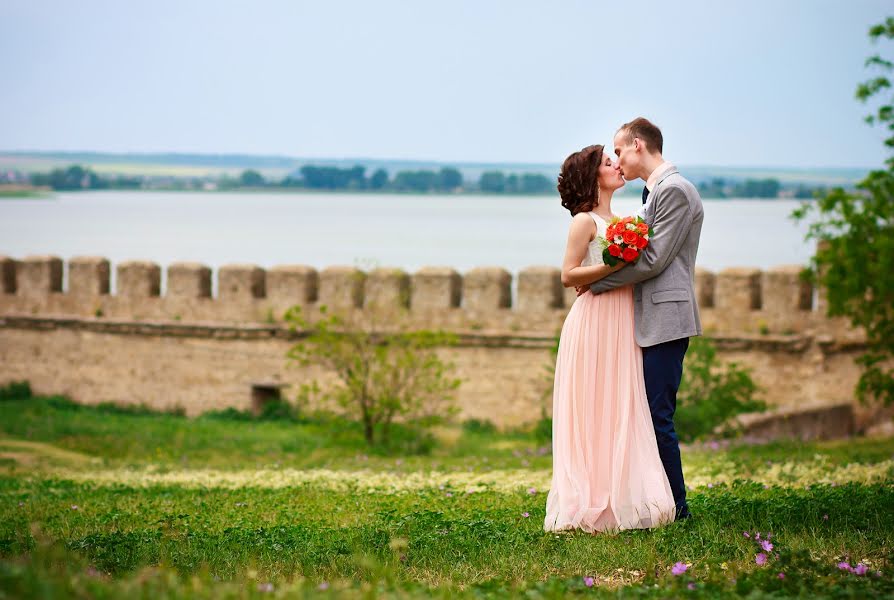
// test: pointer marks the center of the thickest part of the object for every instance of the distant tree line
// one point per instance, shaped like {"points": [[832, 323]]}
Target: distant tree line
{"points": [[496, 182], [444, 180], [77, 177], [754, 188]]}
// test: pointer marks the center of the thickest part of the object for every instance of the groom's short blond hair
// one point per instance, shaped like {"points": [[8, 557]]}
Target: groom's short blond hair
{"points": [[645, 130]]}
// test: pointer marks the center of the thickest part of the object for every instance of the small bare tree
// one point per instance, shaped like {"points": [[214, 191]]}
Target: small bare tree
{"points": [[386, 371]]}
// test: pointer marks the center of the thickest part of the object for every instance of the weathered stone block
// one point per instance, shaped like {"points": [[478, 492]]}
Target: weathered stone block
{"points": [[39, 276], [705, 281], [341, 287], [830, 422], [188, 280], [487, 289], [241, 282], [783, 291], [88, 276], [292, 284], [539, 289], [387, 288], [435, 288], [8, 266], [738, 290], [138, 279]]}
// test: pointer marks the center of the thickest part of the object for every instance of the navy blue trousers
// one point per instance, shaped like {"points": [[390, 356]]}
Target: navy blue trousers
{"points": [[663, 369]]}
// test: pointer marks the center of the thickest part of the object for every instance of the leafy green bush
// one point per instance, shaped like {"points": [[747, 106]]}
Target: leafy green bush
{"points": [[479, 426], [709, 394], [273, 410], [15, 390]]}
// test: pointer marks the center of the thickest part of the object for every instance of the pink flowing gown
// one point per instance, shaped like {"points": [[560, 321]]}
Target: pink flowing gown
{"points": [[607, 474]]}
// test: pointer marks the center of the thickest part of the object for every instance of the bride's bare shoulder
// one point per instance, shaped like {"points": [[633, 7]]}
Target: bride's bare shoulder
{"points": [[582, 227], [581, 219]]}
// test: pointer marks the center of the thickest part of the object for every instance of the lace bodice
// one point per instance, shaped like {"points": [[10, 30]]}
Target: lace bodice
{"points": [[594, 251]]}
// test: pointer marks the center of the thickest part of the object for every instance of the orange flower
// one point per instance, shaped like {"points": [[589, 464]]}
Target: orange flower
{"points": [[630, 237]]}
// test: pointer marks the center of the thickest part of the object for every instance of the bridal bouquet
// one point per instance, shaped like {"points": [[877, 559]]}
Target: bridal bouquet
{"points": [[625, 239]]}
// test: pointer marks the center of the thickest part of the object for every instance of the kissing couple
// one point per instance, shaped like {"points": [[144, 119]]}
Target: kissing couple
{"points": [[616, 455]]}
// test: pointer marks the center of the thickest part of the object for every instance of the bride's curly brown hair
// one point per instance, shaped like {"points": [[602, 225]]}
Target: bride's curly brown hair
{"points": [[578, 181]]}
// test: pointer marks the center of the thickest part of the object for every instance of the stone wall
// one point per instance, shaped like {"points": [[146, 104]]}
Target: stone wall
{"points": [[190, 348]]}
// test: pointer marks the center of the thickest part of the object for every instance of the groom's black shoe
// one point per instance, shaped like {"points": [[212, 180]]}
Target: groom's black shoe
{"points": [[683, 514]]}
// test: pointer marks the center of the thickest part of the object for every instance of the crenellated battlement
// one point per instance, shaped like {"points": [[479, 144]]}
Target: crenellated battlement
{"points": [[202, 337], [734, 300]]}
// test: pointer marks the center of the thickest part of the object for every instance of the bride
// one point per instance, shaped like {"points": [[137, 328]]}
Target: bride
{"points": [[607, 473]]}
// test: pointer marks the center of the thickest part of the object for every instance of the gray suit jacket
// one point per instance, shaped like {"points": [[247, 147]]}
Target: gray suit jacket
{"points": [[664, 301]]}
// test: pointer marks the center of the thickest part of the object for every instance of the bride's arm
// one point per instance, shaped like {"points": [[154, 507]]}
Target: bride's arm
{"points": [[579, 236]]}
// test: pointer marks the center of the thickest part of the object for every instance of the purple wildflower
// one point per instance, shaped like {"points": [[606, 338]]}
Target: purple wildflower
{"points": [[766, 545], [825, 517], [532, 491], [781, 576], [710, 485], [746, 535], [449, 494], [526, 515], [588, 581], [760, 558], [691, 586], [265, 587], [861, 569], [757, 535], [679, 568], [323, 586], [74, 507], [845, 566]]}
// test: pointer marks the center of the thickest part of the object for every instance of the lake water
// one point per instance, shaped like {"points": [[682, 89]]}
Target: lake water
{"points": [[407, 231]]}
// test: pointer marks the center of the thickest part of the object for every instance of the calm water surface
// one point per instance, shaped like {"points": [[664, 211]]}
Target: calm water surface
{"points": [[407, 231]]}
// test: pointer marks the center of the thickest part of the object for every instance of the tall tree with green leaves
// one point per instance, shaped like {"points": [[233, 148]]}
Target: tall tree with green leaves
{"points": [[854, 261]]}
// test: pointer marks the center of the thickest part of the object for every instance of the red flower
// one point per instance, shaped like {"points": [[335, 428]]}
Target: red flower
{"points": [[614, 250], [629, 254], [643, 228], [641, 242], [630, 237]]}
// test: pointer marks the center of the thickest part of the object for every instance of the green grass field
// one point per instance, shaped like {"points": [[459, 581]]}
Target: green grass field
{"points": [[104, 503]]}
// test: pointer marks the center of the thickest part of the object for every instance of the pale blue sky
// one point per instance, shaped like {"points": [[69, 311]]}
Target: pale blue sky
{"points": [[744, 83]]}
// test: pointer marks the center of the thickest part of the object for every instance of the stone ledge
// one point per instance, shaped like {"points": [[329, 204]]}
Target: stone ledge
{"points": [[246, 331], [790, 344], [822, 422]]}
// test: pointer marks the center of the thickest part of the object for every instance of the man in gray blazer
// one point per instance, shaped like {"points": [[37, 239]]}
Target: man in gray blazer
{"points": [[665, 308]]}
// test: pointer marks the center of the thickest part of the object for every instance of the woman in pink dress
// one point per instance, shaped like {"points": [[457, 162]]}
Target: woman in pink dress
{"points": [[607, 474]]}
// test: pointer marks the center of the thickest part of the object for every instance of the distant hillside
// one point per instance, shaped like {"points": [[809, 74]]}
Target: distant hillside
{"points": [[184, 165]]}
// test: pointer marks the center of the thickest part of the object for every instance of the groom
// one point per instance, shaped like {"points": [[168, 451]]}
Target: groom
{"points": [[665, 309]]}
